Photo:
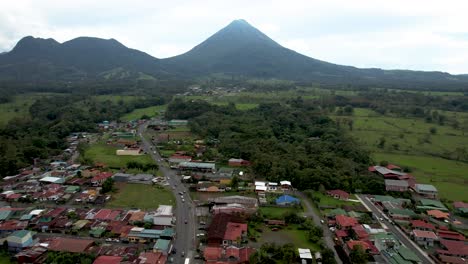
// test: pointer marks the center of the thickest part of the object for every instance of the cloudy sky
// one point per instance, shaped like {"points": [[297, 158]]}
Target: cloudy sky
{"points": [[418, 35]]}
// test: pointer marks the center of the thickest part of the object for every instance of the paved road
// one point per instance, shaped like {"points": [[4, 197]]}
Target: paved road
{"points": [[396, 231], [327, 235], [185, 213]]}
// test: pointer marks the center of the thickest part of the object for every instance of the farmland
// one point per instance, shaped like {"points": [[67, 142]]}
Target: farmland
{"points": [[409, 142]]}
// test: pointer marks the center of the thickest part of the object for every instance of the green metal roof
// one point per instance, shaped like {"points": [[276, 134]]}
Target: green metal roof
{"points": [[20, 233], [433, 203], [406, 212], [26, 217], [162, 244], [168, 232], [337, 211], [4, 215], [407, 254]]}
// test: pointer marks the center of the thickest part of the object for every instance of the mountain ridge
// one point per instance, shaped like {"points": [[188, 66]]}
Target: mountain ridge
{"points": [[239, 49]]}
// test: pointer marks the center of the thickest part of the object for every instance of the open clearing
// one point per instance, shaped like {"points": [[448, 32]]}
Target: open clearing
{"points": [[289, 234], [409, 143], [103, 153], [141, 196], [148, 111]]}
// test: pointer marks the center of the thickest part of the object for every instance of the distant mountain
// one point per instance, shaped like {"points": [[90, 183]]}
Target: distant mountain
{"points": [[238, 50], [241, 49], [36, 59]]}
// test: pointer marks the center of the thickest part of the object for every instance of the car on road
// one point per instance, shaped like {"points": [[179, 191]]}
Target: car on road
{"points": [[182, 254], [181, 193], [183, 200], [322, 221], [185, 221]]}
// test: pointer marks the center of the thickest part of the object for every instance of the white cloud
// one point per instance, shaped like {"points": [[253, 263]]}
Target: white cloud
{"points": [[365, 33]]}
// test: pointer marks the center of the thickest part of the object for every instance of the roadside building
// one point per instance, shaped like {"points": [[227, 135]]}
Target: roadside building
{"points": [[424, 238], [238, 162], [461, 208], [197, 166], [286, 185], [73, 245], [345, 222], [396, 185], [426, 190], [163, 246], [437, 214], [422, 225], [108, 260]]}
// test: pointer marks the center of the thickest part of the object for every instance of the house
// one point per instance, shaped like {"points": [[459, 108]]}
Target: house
{"points": [[231, 254], [453, 248], [225, 229], [108, 260], [238, 162], [366, 245], [401, 214], [260, 186], [461, 208], [19, 240], [424, 238], [31, 255], [429, 204], [177, 159], [338, 194], [234, 234], [396, 185], [345, 222], [99, 179], [137, 216], [151, 258], [450, 235], [285, 185], [163, 246], [422, 225], [437, 214], [426, 190], [305, 254], [163, 216], [177, 122], [237, 199], [69, 244], [287, 200]]}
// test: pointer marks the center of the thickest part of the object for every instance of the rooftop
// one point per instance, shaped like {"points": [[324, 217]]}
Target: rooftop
{"points": [[425, 188], [424, 234]]}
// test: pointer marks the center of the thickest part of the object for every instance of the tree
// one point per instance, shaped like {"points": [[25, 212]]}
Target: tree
{"points": [[235, 182], [328, 256], [381, 143], [358, 255], [433, 130], [348, 110], [108, 185]]}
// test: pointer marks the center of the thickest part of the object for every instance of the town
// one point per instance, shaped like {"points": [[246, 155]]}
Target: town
{"points": [[213, 211]]}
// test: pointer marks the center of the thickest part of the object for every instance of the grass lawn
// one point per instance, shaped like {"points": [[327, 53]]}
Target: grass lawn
{"points": [[330, 201], [448, 176], [101, 152], [277, 212], [141, 196], [289, 234], [138, 113], [5, 259]]}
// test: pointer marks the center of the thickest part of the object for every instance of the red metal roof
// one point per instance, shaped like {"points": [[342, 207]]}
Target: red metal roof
{"points": [[107, 214], [392, 166], [102, 176], [70, 244], [451, 235], [460, 205], [422, 224], [340, 193], [360, 232], [437, 214], [346, 221], [212, 253], [341, 233], [108, 260], [424, 234], [454, 247], [234, 231]]}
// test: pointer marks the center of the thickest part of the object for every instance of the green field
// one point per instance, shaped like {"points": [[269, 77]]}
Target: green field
{"points": [[19, 107], [330, 201], [450, 177], [409, 142], [141, 196], [138, 113], [289, 234], [101, 152]]}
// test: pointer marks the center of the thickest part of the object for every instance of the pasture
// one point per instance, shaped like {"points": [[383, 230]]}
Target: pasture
{"points": [[148, 111], [408, 142], [100, 152]]}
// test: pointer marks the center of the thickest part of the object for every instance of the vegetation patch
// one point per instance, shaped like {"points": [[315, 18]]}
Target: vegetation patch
{"points": [[143, 112], [102, 153], [141, 196]]}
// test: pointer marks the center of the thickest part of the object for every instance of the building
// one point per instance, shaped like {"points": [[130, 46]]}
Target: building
{"points": [[177, 159], [437, 214], [108, 260], [345, 222], [287, 200], [461, 208], [422, 225], [99, 179], [177, 122], [151, 258], [226, 229], [164, 216], [424, 238], [453, 248], [305, 254], [396, 185], [285, 185], [401, 214], [426, 190], [163, 246], [197, 166], [338, 194], [450, 235], [70, 244], [237, 199], [19, 240], [129, 152], [238, 162]]}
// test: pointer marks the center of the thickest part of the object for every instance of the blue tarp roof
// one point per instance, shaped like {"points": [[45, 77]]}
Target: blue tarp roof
{"points": [[286, 199]]}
